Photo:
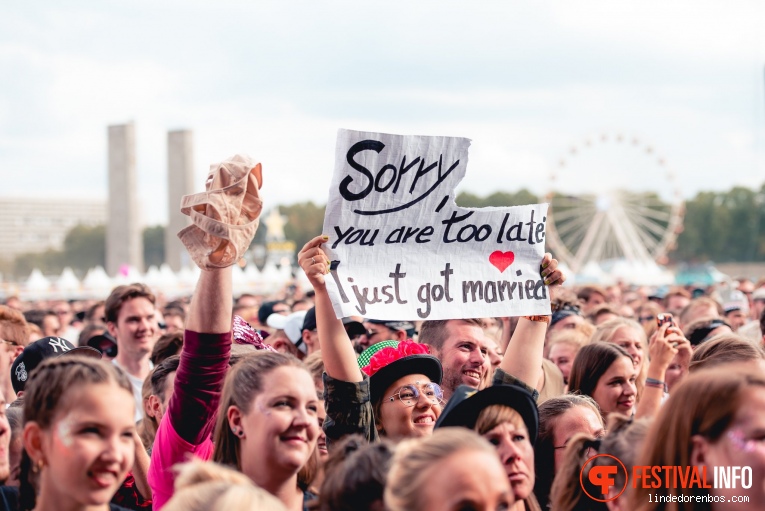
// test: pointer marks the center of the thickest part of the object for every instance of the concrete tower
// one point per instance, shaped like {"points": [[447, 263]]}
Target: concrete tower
{"points": [[124, 240], [180, 182]]}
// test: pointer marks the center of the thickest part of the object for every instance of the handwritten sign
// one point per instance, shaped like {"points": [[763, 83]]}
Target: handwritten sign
{"points": [[402, 249]]}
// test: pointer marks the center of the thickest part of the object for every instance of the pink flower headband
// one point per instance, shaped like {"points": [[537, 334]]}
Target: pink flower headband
{"points": [[390, 354]]}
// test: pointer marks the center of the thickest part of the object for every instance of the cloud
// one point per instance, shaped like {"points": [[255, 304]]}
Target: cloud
{"points": [[524, 80]]}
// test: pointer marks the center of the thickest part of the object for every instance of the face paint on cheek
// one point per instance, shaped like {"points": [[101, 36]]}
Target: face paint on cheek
{"points": [[738, 439], [64, 430], [262, 409]]}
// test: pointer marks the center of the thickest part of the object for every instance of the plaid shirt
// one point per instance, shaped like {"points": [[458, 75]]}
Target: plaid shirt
{"points": [[349, 410]]}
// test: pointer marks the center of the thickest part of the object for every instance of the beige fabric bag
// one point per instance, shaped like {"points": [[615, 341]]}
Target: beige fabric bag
{"points": [[226, 215]]}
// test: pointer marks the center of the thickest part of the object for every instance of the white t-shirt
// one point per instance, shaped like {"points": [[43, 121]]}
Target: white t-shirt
{"points": [[137, 384]]}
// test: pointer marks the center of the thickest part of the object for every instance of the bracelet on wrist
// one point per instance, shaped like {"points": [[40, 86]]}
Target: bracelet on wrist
{"points": [[653, 382], [538, 319]]}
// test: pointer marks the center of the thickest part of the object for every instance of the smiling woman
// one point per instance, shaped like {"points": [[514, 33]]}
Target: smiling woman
{"points": [[268, 423], [392, 390], [78, 435], [605, 372]]}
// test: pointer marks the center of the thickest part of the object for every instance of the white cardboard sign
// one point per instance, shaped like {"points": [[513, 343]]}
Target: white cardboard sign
{"points": [[400, 247]]}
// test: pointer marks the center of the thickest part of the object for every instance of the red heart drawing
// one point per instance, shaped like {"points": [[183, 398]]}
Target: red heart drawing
{"points": [[501, 260]]}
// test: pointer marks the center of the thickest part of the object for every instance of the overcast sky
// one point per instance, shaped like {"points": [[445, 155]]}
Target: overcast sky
{"points": [[525, 80]]}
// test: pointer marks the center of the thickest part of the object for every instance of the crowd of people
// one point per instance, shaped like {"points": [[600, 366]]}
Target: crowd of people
{"points": [[272, 403]]}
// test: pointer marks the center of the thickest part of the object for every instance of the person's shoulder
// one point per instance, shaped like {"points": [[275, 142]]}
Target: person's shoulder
{"points": [[9, 498], [554, 385]]}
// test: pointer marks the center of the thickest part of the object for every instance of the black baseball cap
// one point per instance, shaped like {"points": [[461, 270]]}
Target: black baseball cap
{"points": [[105, 343], [309, 320], [467, 403], [36, 352], [267, 309], [354, 328]]}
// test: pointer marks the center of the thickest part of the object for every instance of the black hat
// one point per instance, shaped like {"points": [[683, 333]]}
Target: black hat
{"points": [[406, 326], [467, 403], [354, 328], [266, 310], [399, 363], [309, 320], [104, 343], [563, 312], [36, 352]]}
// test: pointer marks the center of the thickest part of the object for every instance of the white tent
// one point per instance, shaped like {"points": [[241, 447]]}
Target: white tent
{"points": [[68, 283], [96, 282], [37, 283]]}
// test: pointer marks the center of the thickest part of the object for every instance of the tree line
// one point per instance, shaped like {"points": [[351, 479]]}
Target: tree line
{"points": [[719, 227]]}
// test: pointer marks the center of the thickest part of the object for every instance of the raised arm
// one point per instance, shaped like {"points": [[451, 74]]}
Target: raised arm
{"points": [[204, 357], [665, 343], [212, 303], [525, 350], [188, 423], [336, 348]]}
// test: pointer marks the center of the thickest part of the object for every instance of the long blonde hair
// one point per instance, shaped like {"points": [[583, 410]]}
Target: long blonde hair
{"points": [[414, 458]]}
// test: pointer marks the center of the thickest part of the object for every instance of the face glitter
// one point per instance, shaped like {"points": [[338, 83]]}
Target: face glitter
{"points": [[736, 436], [65, 431], [262, 409]]}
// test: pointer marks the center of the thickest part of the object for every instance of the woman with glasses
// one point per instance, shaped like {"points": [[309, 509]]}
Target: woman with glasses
{"points": [[573, 489], [645, 315], [392, 390], [560, 420]]}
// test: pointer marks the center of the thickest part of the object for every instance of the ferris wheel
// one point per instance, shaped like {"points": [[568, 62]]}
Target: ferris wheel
{"points": [[613, 197]]}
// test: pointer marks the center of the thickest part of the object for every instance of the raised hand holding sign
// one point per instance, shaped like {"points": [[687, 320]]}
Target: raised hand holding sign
{"points": [[400, 248]]}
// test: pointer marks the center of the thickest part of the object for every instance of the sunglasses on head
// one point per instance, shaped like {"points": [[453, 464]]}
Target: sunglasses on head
{"points": [[566, 306]]}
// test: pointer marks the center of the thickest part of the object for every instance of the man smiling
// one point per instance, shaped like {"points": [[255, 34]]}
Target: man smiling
{"points": [[131, 319], [462, 349]]}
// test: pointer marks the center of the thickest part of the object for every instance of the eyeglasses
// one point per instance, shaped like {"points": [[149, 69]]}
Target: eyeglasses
{"points": [[597, 436], [410, 394]]}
